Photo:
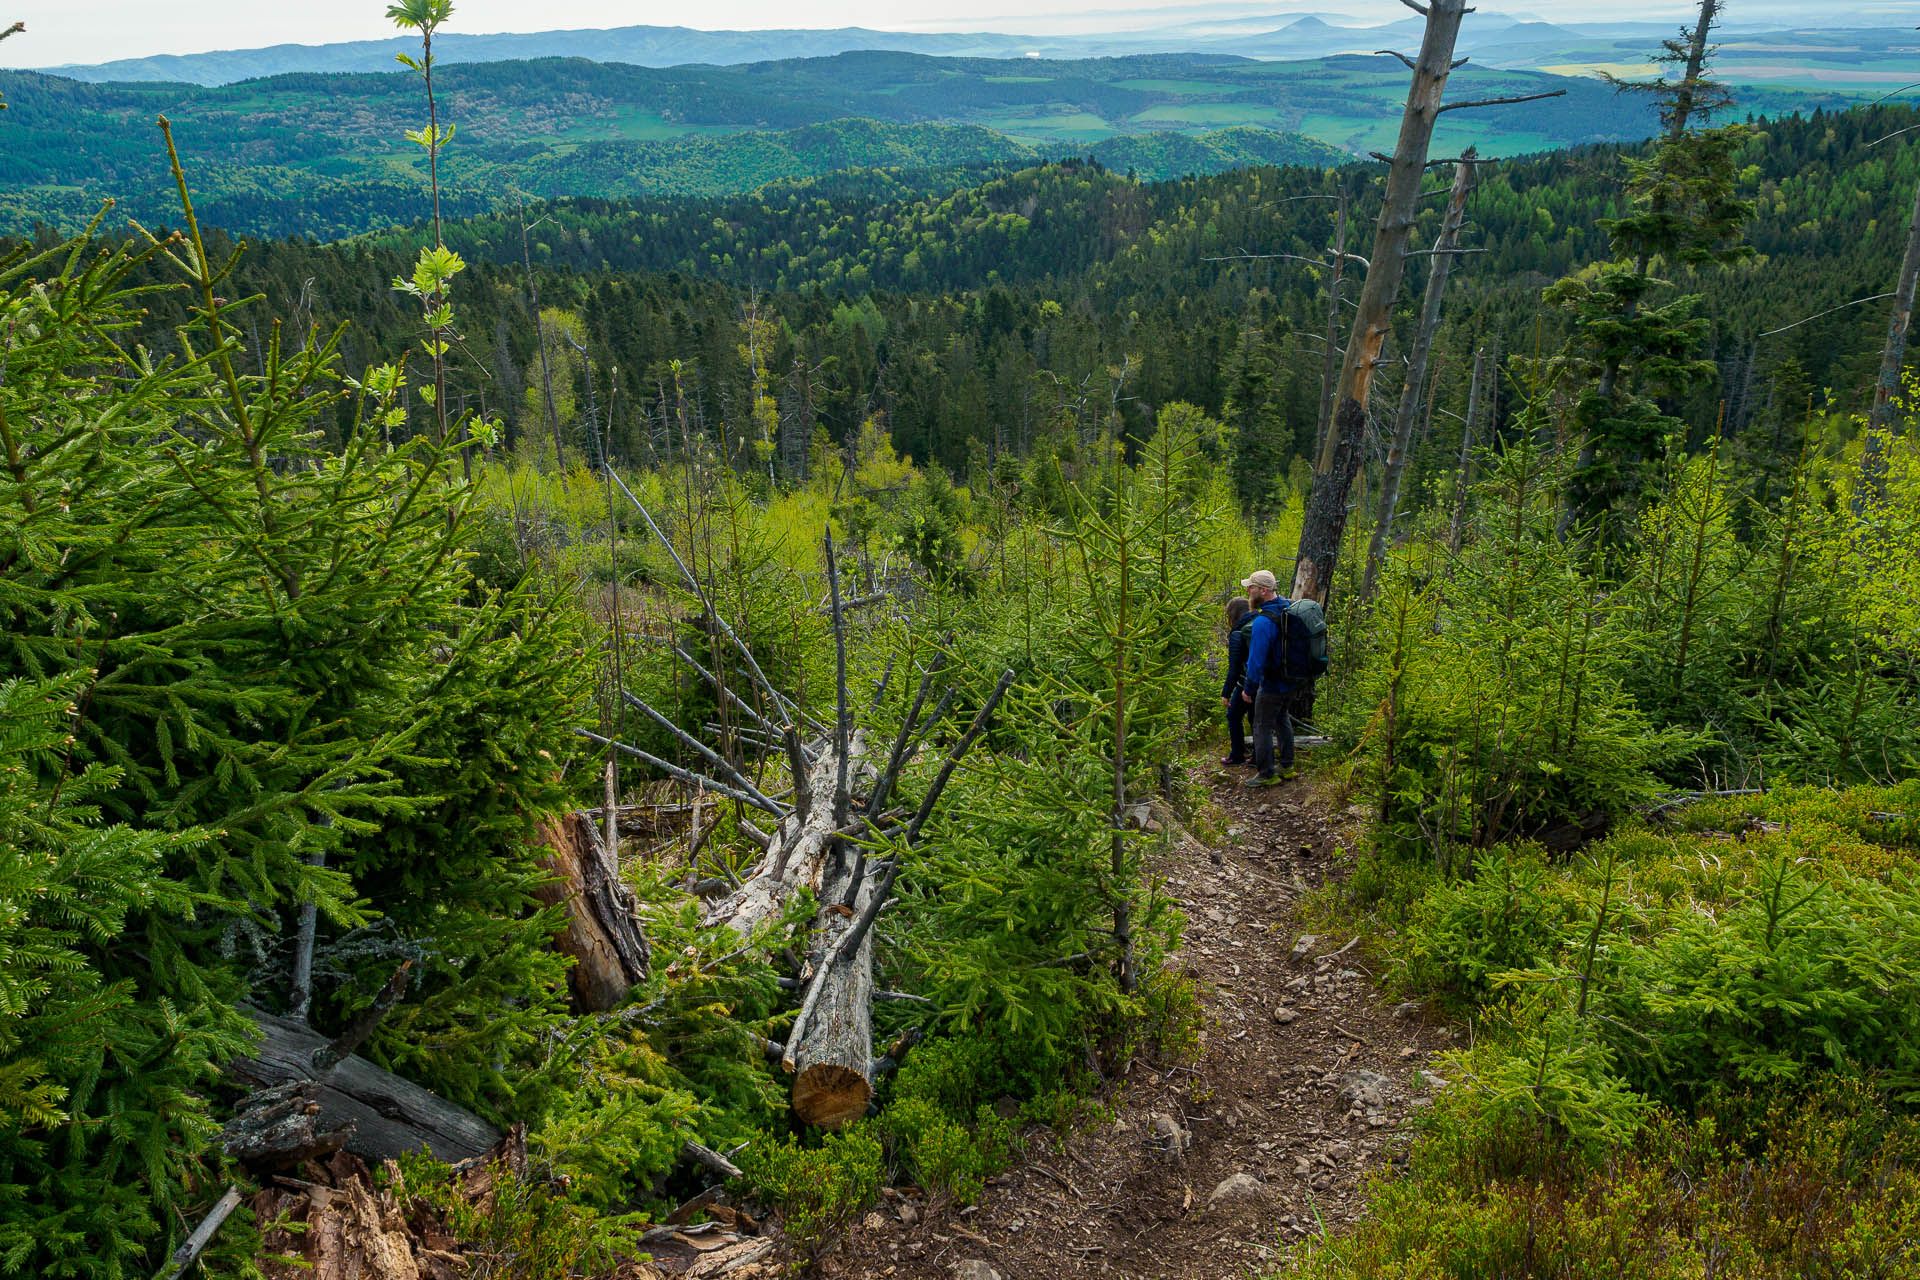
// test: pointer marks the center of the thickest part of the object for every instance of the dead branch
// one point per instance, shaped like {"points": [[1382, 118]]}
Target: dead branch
{"points": [[1500, 102], [707, 753], [325, 1059], [184, 1256], [672, 770]]}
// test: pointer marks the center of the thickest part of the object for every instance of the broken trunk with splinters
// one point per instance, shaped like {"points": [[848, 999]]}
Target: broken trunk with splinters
{"points": [[602, 935]]}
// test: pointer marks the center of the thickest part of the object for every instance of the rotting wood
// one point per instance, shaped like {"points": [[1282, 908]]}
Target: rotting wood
{"points": [[280, 1127], [603, 935], [388, 1115]]}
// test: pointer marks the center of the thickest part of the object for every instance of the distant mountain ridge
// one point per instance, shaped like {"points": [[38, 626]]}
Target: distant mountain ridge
{"points": [[1517, 41]]}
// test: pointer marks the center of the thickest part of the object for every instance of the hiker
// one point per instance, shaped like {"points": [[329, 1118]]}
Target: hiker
{"points": [[1239, 615], [1265, 687]]}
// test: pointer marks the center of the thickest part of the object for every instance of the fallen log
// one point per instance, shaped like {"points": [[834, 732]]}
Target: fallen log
{"points": [[388, 1115], [830, 1048], [603, 935], [799, 851]]}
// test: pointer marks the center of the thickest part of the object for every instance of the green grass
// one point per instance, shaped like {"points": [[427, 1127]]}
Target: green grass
{"points": [[1069, 126], [1208, 115], [1198, 88]]}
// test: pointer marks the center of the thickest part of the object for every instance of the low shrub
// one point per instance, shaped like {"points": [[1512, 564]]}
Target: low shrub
{"points": [[816, 1190], [1822, 1182]]}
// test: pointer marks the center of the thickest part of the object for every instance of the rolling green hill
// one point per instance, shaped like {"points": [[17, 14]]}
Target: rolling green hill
{"points": [[325, 155]]}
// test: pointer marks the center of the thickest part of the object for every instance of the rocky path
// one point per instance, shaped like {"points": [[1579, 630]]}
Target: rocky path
{"points": [[1218, 1167]]}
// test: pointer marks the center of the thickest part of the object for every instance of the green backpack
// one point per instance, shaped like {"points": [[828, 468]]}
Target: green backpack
{"points": [[1306, 640]]}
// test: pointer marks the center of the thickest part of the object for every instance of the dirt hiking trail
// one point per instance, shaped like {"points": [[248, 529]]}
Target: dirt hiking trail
{"points": [[1217, 1167]]}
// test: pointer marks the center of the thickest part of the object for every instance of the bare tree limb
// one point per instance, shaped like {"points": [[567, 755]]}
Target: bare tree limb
{"points": [[184, 1256], [338, 1049], [709, 1159], [1394, 53], [1878, 297], [1896, 133], [780, 700], [1500, 102], [1260, 257], [896, 759], [740, 704], [685, 775], [707, 753]]}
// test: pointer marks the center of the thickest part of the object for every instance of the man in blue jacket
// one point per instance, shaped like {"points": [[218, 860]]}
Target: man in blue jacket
{"points": [[1266, 686]]}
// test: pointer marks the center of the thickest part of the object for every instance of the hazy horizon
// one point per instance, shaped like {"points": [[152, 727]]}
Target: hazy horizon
{"points": [[94, 31]]}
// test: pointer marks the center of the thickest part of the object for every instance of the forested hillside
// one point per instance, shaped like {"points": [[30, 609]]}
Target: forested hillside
{"points": [[680, 736], [325, 155], [994, 318]]}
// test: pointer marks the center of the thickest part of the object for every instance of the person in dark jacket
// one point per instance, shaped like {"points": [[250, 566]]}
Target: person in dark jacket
{"points": [[1265, 687], [1239, 614]]}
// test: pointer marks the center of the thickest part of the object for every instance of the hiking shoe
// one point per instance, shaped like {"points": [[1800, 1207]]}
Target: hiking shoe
{"points": [[1289, 774], [1233, 760], [1264, 780]]}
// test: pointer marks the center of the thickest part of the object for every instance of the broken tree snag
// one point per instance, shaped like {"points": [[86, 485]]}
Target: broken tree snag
{"points": [[1326, 515], [603, 936], [388, 1115], [1443, 255]]}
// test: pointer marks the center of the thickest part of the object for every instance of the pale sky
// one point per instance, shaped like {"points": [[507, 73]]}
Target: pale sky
{"points": [[86, 31]]}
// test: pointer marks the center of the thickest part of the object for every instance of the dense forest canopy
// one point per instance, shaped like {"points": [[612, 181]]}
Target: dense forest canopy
{"points": [[983, 319], [543, 731]]}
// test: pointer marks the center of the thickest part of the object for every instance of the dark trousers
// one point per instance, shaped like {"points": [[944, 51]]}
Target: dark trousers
{"points": [[1237, 724], [1270, 718]]}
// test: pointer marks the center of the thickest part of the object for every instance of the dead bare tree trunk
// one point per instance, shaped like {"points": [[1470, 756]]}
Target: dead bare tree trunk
{"points": [[540, 335], [1444, 251], [1329, 353], [1461, 479], [1893, 358], [1326, 515]]}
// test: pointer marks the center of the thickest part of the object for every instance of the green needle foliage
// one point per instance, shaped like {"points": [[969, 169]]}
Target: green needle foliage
{"points": [[243, 672]]}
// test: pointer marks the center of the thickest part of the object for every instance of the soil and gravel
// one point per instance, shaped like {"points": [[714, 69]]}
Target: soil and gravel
{"points": [[1223, 1165]]}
